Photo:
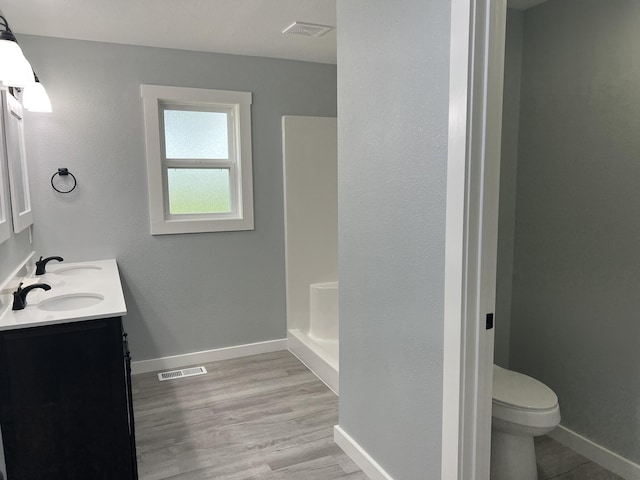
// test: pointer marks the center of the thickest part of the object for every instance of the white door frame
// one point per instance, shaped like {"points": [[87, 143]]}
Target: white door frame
{"points": [[473, 174]]}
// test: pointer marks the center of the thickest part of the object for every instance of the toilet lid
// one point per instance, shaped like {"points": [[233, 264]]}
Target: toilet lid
{"points": [[522, 391]]}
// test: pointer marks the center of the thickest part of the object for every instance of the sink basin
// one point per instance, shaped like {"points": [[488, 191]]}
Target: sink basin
{"points": [[47, 278], [76, 269], [71, 301]]}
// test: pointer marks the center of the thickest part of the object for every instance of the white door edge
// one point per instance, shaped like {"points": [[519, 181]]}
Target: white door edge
{"points": [[475, 124]]}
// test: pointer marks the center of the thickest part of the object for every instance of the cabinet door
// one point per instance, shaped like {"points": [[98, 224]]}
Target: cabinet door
{"points": [[5, 231], [17, 162], [63, 402]]}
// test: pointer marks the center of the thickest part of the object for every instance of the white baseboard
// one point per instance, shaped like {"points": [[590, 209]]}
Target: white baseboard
{"points": [[597, 453], [179, 361], [314, 362], [361, 458]]}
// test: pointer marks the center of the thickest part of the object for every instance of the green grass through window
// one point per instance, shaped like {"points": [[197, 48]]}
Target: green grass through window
{"points": [[198, 190]]}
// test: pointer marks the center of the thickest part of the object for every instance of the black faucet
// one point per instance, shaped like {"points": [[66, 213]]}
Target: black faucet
{"points": [[42, 264], [20, 295]]}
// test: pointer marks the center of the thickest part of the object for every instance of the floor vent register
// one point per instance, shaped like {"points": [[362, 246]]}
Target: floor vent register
{"points": [[186, 372]]}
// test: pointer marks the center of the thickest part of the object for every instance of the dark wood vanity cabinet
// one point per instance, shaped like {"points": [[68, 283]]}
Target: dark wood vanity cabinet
{"points": [[65, 402]]}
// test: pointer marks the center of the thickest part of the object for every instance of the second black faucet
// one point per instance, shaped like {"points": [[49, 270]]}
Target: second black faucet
{"points": [[20, 295], [41, 265]]}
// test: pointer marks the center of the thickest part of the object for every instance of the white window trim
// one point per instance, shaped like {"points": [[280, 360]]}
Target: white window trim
{"points": [[241, 217]]}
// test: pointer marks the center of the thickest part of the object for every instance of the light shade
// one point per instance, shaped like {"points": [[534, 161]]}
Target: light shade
{"points": [[15, 70], [35, 98]]}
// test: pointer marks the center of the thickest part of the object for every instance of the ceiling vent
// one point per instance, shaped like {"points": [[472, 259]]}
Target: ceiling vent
{"points": [[307, 29]]}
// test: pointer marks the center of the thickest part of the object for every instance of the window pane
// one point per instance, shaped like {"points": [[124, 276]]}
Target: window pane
{"points": [[198, 190], [196, 134]]}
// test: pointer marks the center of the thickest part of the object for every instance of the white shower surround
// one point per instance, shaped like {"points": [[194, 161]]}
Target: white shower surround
{"points": [[311, 242], [323, 311], [318, 347]]}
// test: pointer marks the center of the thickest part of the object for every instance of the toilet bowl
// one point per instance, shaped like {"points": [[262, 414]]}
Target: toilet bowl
{"points": [[522, 408]]}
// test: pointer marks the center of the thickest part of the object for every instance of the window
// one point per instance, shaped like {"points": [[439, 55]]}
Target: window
{"points": [[198, 159]]}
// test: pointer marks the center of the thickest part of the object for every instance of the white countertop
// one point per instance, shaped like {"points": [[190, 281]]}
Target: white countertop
{"points": [[100, 278]]}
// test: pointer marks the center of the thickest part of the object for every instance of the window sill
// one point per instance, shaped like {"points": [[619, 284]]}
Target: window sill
{"points": [[170, 227]]}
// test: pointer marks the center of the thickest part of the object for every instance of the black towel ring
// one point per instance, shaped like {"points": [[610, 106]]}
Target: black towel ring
{"points": [[64, 172]]}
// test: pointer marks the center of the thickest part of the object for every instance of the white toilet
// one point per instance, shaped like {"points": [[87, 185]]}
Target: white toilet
{"points": [[523, 408]]}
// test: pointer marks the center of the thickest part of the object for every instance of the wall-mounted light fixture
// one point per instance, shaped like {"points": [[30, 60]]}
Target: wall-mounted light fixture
{"points": [[16, 71], [35, 98]]}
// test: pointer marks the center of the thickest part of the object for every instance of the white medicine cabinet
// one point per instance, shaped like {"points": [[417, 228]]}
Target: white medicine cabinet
{"points": [[16, 162]]}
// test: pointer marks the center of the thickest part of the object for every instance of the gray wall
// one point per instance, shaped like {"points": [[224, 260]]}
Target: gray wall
{"points": [[392, 152], [184, 293], [576, 306], [508, 169]]}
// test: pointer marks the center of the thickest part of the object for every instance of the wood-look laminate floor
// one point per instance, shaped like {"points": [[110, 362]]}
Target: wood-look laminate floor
{"points": [[557, 462], [267, 417], [261, 417]]}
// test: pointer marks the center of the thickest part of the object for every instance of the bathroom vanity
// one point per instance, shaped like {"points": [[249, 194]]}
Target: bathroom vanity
{"points": [[66, 410]]}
